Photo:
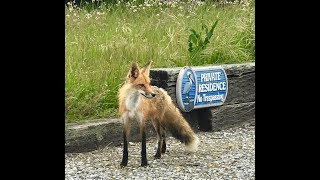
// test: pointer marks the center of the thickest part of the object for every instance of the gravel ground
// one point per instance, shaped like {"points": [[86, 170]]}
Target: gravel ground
{"points": [[227, 154]]}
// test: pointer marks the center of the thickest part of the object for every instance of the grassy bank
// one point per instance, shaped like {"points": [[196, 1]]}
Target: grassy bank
{"points": [[101, 43]]}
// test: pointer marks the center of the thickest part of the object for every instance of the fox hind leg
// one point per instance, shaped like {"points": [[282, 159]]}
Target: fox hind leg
{"points": [[158, 153], [161, 140], [164, 145]]}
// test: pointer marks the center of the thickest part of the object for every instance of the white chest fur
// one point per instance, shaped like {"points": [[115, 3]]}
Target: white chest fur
{"points": [[132, 102]]}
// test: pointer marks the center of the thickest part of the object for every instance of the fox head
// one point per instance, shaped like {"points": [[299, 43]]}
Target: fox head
{"points": [[140, 80]]}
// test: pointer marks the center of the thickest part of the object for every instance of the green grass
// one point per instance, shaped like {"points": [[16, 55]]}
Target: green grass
{"points": [[101, 43]]}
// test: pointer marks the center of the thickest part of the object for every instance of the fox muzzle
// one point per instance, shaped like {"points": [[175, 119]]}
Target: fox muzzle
{"points": [[148, 95]]}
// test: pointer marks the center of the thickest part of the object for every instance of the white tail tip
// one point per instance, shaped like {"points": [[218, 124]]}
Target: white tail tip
{"points": [[193, 146]]}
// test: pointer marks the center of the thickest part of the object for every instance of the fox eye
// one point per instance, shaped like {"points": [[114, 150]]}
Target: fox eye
{"points": [[141, 85]]}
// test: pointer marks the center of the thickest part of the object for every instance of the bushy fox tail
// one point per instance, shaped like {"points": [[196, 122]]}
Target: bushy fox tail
{"points": [[180, 129]]}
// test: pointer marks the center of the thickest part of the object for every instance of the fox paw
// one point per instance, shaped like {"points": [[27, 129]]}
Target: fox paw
{"points": [[123, 164], [144, 164]]}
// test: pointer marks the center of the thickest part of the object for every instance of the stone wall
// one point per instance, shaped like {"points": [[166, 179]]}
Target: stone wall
{"points": [[239, 106]]}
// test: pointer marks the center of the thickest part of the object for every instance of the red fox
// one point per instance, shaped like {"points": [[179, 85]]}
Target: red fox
{"points": [[140, 101]]}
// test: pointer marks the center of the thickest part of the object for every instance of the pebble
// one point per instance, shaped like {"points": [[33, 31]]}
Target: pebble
{"points": [[225, 154]]}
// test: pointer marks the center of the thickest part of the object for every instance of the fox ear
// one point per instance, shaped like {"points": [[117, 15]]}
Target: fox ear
{"points": [[146, 68], [134, 71]]}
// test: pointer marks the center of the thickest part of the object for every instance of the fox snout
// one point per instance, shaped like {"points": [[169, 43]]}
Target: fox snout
{"points": [[148, 94], [152, 94]]}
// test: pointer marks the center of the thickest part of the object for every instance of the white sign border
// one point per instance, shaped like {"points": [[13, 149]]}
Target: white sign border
{"points": [[179, 86]]}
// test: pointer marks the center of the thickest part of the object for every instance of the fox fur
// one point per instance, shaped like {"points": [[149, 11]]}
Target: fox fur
{"points": [[140, 101]]}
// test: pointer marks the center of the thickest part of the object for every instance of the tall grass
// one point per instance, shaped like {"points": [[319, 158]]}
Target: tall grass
{"points": [[101, 42]]}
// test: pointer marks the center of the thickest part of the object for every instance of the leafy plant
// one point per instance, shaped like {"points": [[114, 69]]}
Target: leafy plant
{"points": [[196, 42]]}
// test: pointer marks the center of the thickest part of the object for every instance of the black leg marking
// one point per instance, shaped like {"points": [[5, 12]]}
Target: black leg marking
{"points": [[164, 145], [125, 150], [144, 161], [158, 153]]}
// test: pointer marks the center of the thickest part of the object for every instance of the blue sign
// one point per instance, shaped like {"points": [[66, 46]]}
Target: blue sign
{"points": [[200, 87]]}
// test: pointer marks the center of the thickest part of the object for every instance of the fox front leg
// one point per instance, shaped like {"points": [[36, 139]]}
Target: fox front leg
{"points": [[126, 133], [144, 161]]}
